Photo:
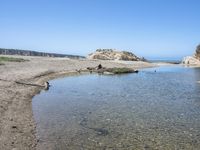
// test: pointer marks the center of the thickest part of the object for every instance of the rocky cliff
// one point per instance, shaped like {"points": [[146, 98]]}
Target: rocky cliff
{"points": [[197, 54], [110, 54], [193, 60], [4, 51]]}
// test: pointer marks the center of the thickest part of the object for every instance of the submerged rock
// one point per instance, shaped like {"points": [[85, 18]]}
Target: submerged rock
{"points": [[101, 131]]}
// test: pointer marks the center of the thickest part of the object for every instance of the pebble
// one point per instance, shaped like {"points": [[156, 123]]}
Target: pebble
{"points": [[14, 127]]}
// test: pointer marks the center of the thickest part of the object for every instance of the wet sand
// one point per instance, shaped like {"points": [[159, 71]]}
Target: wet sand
{"points": [[17, 127]]}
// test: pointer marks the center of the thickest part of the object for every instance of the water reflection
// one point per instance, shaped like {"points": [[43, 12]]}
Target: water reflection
{"points": [[149, 110]]}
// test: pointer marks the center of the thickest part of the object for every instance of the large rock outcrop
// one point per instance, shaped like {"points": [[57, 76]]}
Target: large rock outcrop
{"points": [[193, 60], [197, 54], [190, 60], [110, 54]]}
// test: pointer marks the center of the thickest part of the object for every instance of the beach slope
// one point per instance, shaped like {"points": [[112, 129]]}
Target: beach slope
{"points": [[20, 81]]}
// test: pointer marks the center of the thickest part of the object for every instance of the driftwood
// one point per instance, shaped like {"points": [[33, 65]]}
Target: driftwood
{"points": [[45, 86]]}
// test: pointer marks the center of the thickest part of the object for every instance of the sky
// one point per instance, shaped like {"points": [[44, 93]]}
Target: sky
{"points": [[154, 29]]}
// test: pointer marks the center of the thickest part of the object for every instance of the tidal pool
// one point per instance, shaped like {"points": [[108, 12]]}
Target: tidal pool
{"points": [[144, 111]]}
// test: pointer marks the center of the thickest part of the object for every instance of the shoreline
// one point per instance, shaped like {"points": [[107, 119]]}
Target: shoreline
{"points": [[17, 125]]}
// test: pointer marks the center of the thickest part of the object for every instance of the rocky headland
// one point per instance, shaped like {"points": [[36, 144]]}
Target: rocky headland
{"points": [[112, 54], [197, 54], [4, 51], [193, 60]]}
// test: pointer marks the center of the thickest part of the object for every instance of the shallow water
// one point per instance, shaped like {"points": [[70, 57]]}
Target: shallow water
{"points": [[148, 110]]}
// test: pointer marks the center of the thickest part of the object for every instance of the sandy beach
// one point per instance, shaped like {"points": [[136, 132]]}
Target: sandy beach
{"points": [[17, 127]]}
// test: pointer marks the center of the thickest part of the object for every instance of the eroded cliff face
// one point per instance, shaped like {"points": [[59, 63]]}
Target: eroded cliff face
{"points": [[197, 54], [110, 54], [193, 60]]}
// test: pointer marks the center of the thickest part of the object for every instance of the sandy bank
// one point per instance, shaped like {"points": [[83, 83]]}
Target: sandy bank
{"points": [[17, 128]]}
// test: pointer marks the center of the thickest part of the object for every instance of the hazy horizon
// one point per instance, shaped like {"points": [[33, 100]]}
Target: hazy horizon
{"points": [[149, 28]]}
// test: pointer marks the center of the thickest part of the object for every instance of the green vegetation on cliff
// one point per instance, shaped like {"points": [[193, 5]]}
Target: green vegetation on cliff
{"points": [[120, 70], [10, 59]]}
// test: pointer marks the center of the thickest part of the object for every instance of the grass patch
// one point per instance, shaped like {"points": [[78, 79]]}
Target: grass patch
{"points": [[120, 70], [11, 59]]}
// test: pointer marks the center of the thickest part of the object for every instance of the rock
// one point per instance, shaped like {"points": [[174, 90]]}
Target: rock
{"points": [[146, 147], [14, 127], [197, 54], [99, 67], [90, 68], [46, 85], [121, 70], [102, 70], [110, 54], [191, 60], [101, 131], [108, 73]]}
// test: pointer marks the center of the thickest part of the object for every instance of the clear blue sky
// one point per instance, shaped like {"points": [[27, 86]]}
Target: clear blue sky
{"points": [[149, 28]]}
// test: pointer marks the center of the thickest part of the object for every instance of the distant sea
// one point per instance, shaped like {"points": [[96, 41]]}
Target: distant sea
{"points": [[165, 60]]}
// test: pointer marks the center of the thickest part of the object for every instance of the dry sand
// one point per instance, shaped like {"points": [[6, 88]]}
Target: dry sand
{"points": [[17, 127]]}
